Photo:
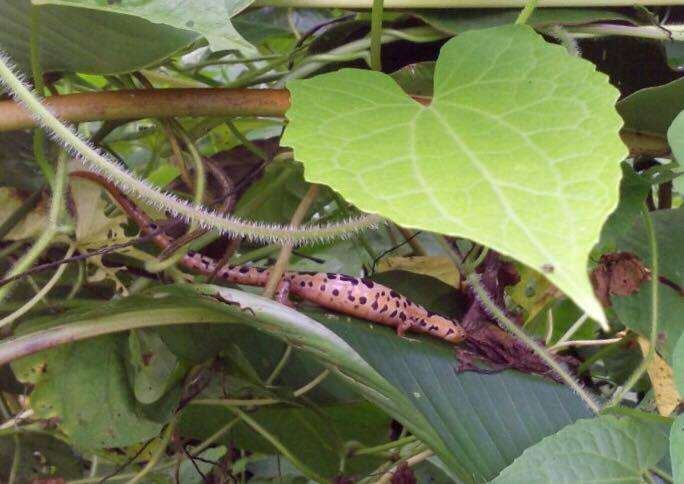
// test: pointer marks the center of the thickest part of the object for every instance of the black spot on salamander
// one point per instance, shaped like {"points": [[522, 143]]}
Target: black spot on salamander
{"points": [[351, 298], [384, 308], [393, 313], [362, 300], [408, 303], [302, 284], [260, 269], [423, 323], [434, 328], [152, 226], [310, 284], [336, 292], [368, 283], [353, 280], [192, 253], [308, 273], [244, 270], [397, 303], [402, 316], [394, 294], [430, 313], [374, 305], [331, 275], [323, 287], [383, 293], [451, 331]]}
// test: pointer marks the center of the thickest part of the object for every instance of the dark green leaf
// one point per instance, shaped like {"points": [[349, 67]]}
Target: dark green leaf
{"points": [[602, 449], [124, 42], [84, 385], [653, 109], [633, 191], [677, 448], [316, 436]]}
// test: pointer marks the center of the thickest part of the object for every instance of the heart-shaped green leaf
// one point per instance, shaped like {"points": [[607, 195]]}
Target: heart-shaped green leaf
{"points": [[519, 149]]}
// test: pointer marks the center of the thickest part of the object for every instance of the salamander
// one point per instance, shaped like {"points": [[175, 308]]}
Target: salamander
{"points": [[358, 297]]}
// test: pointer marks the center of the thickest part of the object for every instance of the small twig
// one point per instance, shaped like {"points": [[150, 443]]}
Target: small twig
{"points": [[103, 251], [411, 461]]}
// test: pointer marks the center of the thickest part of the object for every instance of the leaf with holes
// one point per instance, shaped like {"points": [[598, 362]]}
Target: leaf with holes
{"points": [[519, 149]]}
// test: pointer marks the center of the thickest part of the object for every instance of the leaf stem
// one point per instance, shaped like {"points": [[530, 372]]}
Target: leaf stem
{"points": [[50, 232], [376, 35], [526, 12], [275, 442], [411, 461], [9, 319], [474, 281], [158, 453], [386, 446], [653, 339], [16, 459]]}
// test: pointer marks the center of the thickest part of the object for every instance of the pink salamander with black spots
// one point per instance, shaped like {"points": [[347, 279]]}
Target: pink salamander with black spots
{"points": [[358, 297]]}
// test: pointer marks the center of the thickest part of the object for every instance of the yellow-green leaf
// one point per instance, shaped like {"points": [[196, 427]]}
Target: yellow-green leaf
{"points": [[519, 149]]}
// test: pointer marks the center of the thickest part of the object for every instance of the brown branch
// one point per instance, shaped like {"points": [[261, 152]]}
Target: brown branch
{"points": [[160, 103], [148, 103]]}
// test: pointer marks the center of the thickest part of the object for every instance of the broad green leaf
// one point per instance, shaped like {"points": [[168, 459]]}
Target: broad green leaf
{"points": [[602, 449], [677, 448], [678, 365], [653, 109], [317, 436], [485, 420], [518, 149], [457, 21], [211, 18], [86, 387], [124, 43], [675, 137]]}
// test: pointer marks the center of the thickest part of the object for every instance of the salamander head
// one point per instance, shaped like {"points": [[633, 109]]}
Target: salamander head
{"points": [[445, 328]]}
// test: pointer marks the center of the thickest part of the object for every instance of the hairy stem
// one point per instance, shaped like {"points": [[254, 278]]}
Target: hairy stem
{"points": [[376, 35], [142, 190], [474, 281]]}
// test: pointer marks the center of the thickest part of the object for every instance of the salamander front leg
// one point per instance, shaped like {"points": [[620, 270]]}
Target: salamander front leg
{"points": [[283, 292], [403, 327]]}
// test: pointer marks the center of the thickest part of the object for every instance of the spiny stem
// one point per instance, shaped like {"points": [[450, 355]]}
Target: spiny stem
{"points": [[142, 190], [653, 340], [37, 71], [474, 281]]}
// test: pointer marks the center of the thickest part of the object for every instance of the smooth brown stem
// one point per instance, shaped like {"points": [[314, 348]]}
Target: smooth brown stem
{"points": [[148, 103], [159, 103]]}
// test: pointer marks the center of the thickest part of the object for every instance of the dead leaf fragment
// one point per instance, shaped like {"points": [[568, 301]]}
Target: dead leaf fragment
{"points": [[662, 378], [618, 274], [442, 268]]}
